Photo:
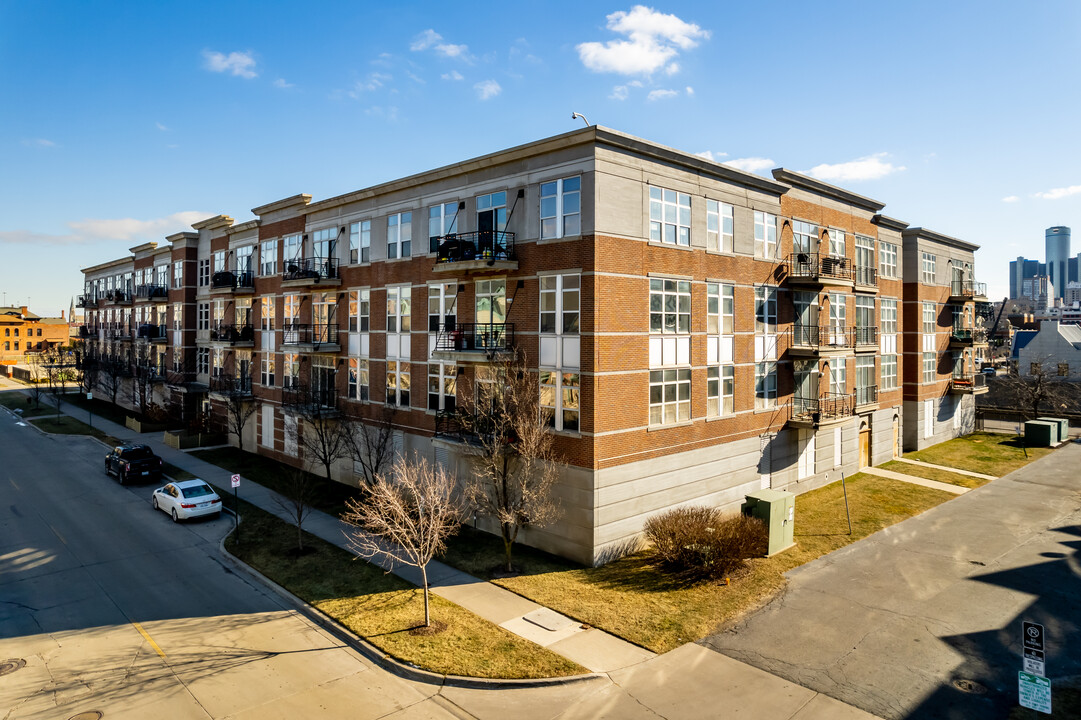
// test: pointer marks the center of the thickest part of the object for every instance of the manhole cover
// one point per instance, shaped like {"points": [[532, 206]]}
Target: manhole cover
{"points": [[9, 666], [88, 715], [969, 686]]}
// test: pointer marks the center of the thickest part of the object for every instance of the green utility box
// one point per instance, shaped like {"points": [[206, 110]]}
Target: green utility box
{"points": [[1063, 427], [1039, 433], [777, 509]]}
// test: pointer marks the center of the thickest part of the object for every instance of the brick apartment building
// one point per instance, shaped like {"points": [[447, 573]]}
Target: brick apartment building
{"points": [[699, 332], [23, 333]]}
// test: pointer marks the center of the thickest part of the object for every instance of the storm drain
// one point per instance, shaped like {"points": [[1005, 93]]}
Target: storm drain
{"points": [[88, 715], [9, 666], [969, 686]]}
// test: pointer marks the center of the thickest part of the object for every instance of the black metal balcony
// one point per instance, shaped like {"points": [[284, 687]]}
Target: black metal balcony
{"points": [[228, 384], [487, 246], [866, 336], [827, 408], [86, 331], [867, 395], [310, 270], [967, 289], [305, 398], [461, 426], [233, 334], [146, 292], [87, 301], [866, 276], [822, 339], [966, 384], [118, 297], [315, 335], [967, 336], [227, 280], [152, 332], [148, 372], [819, 269], [481, 338], [179, 377]]}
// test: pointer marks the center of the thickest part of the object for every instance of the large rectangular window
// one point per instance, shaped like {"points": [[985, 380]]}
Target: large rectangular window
{"points": [[669, 306], [442, 386], [291, 369], [804, 237], [560, 396], [888, 312], [865, 380], [887, 259], [203, 316], [559, 304], [358, 378], [889, 372], [398, 383], [266, 374], [669, 217], [360, 242], [398, 310], [292, 249], [204, 272], [929, 318], [359, 310], [719, 226], [837, 242], [561, 208], [929, 374], [178, 274], [765, 385], [720, 390], [765, 235], [202, 360], [325, 243], [442, 221], [399, 235], [669, 396], [928, 264], [268, 257], [720, 309]]}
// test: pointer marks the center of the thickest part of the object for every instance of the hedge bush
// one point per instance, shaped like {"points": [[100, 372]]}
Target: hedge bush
{"points": [[700, 543]]}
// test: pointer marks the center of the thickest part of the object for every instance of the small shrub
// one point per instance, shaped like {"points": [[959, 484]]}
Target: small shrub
{"points": [[157, 414], [699, 543]]}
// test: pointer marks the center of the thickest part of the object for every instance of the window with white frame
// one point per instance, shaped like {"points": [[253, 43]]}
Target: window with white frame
{"points": [[889, 372], [669, 217], [559, 304], [266, 374], [358, 378], [359, 310], [928, 263], [719, 226], [290, 311], [838, 376], [804, 237], [244, 256], [268, 256], [399, 235], [219, 261], [929, 318], [161, 275], [865, 380], [765, 309], [178, 317], [560, 397], [837, 242], [291, 370], [720, 325], [325, 243], [442, 221], [292, 249], [178, 274], [203, 316], [669, 396], [887, 259], [720, 390], [765, 235], [888, 316], [929, 374], [360, 242], [442, 386], [669, 306], [398, 383], [398, 310], [561, 208], [204, 272], [720, 309], [765, 385], [442, 307], [202, 360]]}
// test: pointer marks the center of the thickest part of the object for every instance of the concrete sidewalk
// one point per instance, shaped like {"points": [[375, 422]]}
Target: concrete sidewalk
{"points": [[688, 682]]}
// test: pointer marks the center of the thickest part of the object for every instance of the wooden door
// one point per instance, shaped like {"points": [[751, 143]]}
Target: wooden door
{"points": [[865, 447]]}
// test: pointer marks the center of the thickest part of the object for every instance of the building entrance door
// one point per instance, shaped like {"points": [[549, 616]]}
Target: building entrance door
{"points": [[865, 446]]}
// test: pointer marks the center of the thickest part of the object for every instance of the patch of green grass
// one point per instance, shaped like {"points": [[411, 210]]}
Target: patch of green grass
{"points": [[929, 473], [330, 498], [383, 608], [65, 425], [634, 599], [100, 407], [176, 473], [18, 401], [987, 453]]}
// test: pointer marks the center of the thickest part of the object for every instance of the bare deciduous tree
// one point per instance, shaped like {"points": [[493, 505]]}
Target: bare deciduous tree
{"points": [[514, 471], [405, 518], [239, 408], [371, 443], [1042, 387], [59, 368], [296, 497], [325, 436]]}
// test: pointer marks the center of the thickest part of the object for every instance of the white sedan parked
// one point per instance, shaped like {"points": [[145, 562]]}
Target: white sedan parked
{"points": [[187, 499]]}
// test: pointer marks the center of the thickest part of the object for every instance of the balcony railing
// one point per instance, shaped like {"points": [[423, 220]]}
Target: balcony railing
{"points": [[118, 297], [968, 335], [151, 291], [967, 289], [866, 276], [227, 384], [86, 331], [813, 267], [827, 407], [232, 280], [223, 332], [867, 395], [152, 332], [968, 383], [87, 301], [460, 425], [481, 245], [475, 337], [313, 269], [866, 336], [309, 398], [304, 334], [149, 372], [179, 377], [823, 338]]}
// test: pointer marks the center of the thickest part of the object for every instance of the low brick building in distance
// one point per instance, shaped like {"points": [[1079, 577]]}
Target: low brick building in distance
{"points": [[699, 332], [22, 333]]}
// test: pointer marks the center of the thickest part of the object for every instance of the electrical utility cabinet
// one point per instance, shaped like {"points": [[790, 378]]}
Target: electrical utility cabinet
{"points": [[1063, 427], [776, 508], [1039, 433]]}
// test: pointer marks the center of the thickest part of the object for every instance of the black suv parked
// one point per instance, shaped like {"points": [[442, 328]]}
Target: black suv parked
{"points": [[133, 462]]}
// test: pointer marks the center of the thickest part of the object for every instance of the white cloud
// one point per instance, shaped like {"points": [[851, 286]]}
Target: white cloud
{"points": [[619, 92], [751, 164], [425, 40], [871, 167], [281, 83], [1010, 199], [709, 155], [389, 113], [453, 75], [672, 69], [39, 142], [487, 89], [453, 51], [373, 82], [430, 39], [161, 127], [415, 78], [91, 230], [383, 60], [653, 39], [236, 63], [689, 90], [1059, 193], [660, 94]]}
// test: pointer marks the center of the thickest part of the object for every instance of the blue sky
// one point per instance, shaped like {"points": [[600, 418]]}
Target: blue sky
{"points": [[124, 122]]}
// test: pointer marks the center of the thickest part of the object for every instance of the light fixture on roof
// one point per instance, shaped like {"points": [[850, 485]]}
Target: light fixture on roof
{"points": [[575, 116]]}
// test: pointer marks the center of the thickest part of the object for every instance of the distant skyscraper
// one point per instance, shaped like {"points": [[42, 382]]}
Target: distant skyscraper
{"points": [[1057, 255]]}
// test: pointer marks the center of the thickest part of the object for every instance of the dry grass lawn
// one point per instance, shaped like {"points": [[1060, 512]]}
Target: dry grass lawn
{"points": [[929, 473], [17, 401], [70, 426], [383, 608], [638, 602], [987, 453]]}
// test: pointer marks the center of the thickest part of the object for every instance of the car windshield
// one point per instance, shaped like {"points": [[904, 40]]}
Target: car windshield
{"points": [[137, 453], [197, 491]]}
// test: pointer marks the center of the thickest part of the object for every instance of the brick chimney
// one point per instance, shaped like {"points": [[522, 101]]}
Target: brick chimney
{"points": [[24, 310]]}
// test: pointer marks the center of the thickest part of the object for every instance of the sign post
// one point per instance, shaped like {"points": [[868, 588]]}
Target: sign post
{"points": [[236, 507], [1033, 688], [89, 409]]}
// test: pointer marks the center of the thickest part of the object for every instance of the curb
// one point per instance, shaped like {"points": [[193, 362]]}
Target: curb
{"points": [[381, 658]]}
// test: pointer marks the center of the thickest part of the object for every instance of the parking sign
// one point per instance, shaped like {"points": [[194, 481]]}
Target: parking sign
{"points": [[236, 481]]}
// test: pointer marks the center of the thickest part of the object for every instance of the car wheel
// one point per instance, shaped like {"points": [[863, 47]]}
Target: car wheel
{"points": [[154, 502], [175, 518], [121, 476]]}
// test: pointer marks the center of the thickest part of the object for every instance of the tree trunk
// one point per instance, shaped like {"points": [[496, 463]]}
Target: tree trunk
{"points": [[508, 545], [300, 539], [424, 578]]}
